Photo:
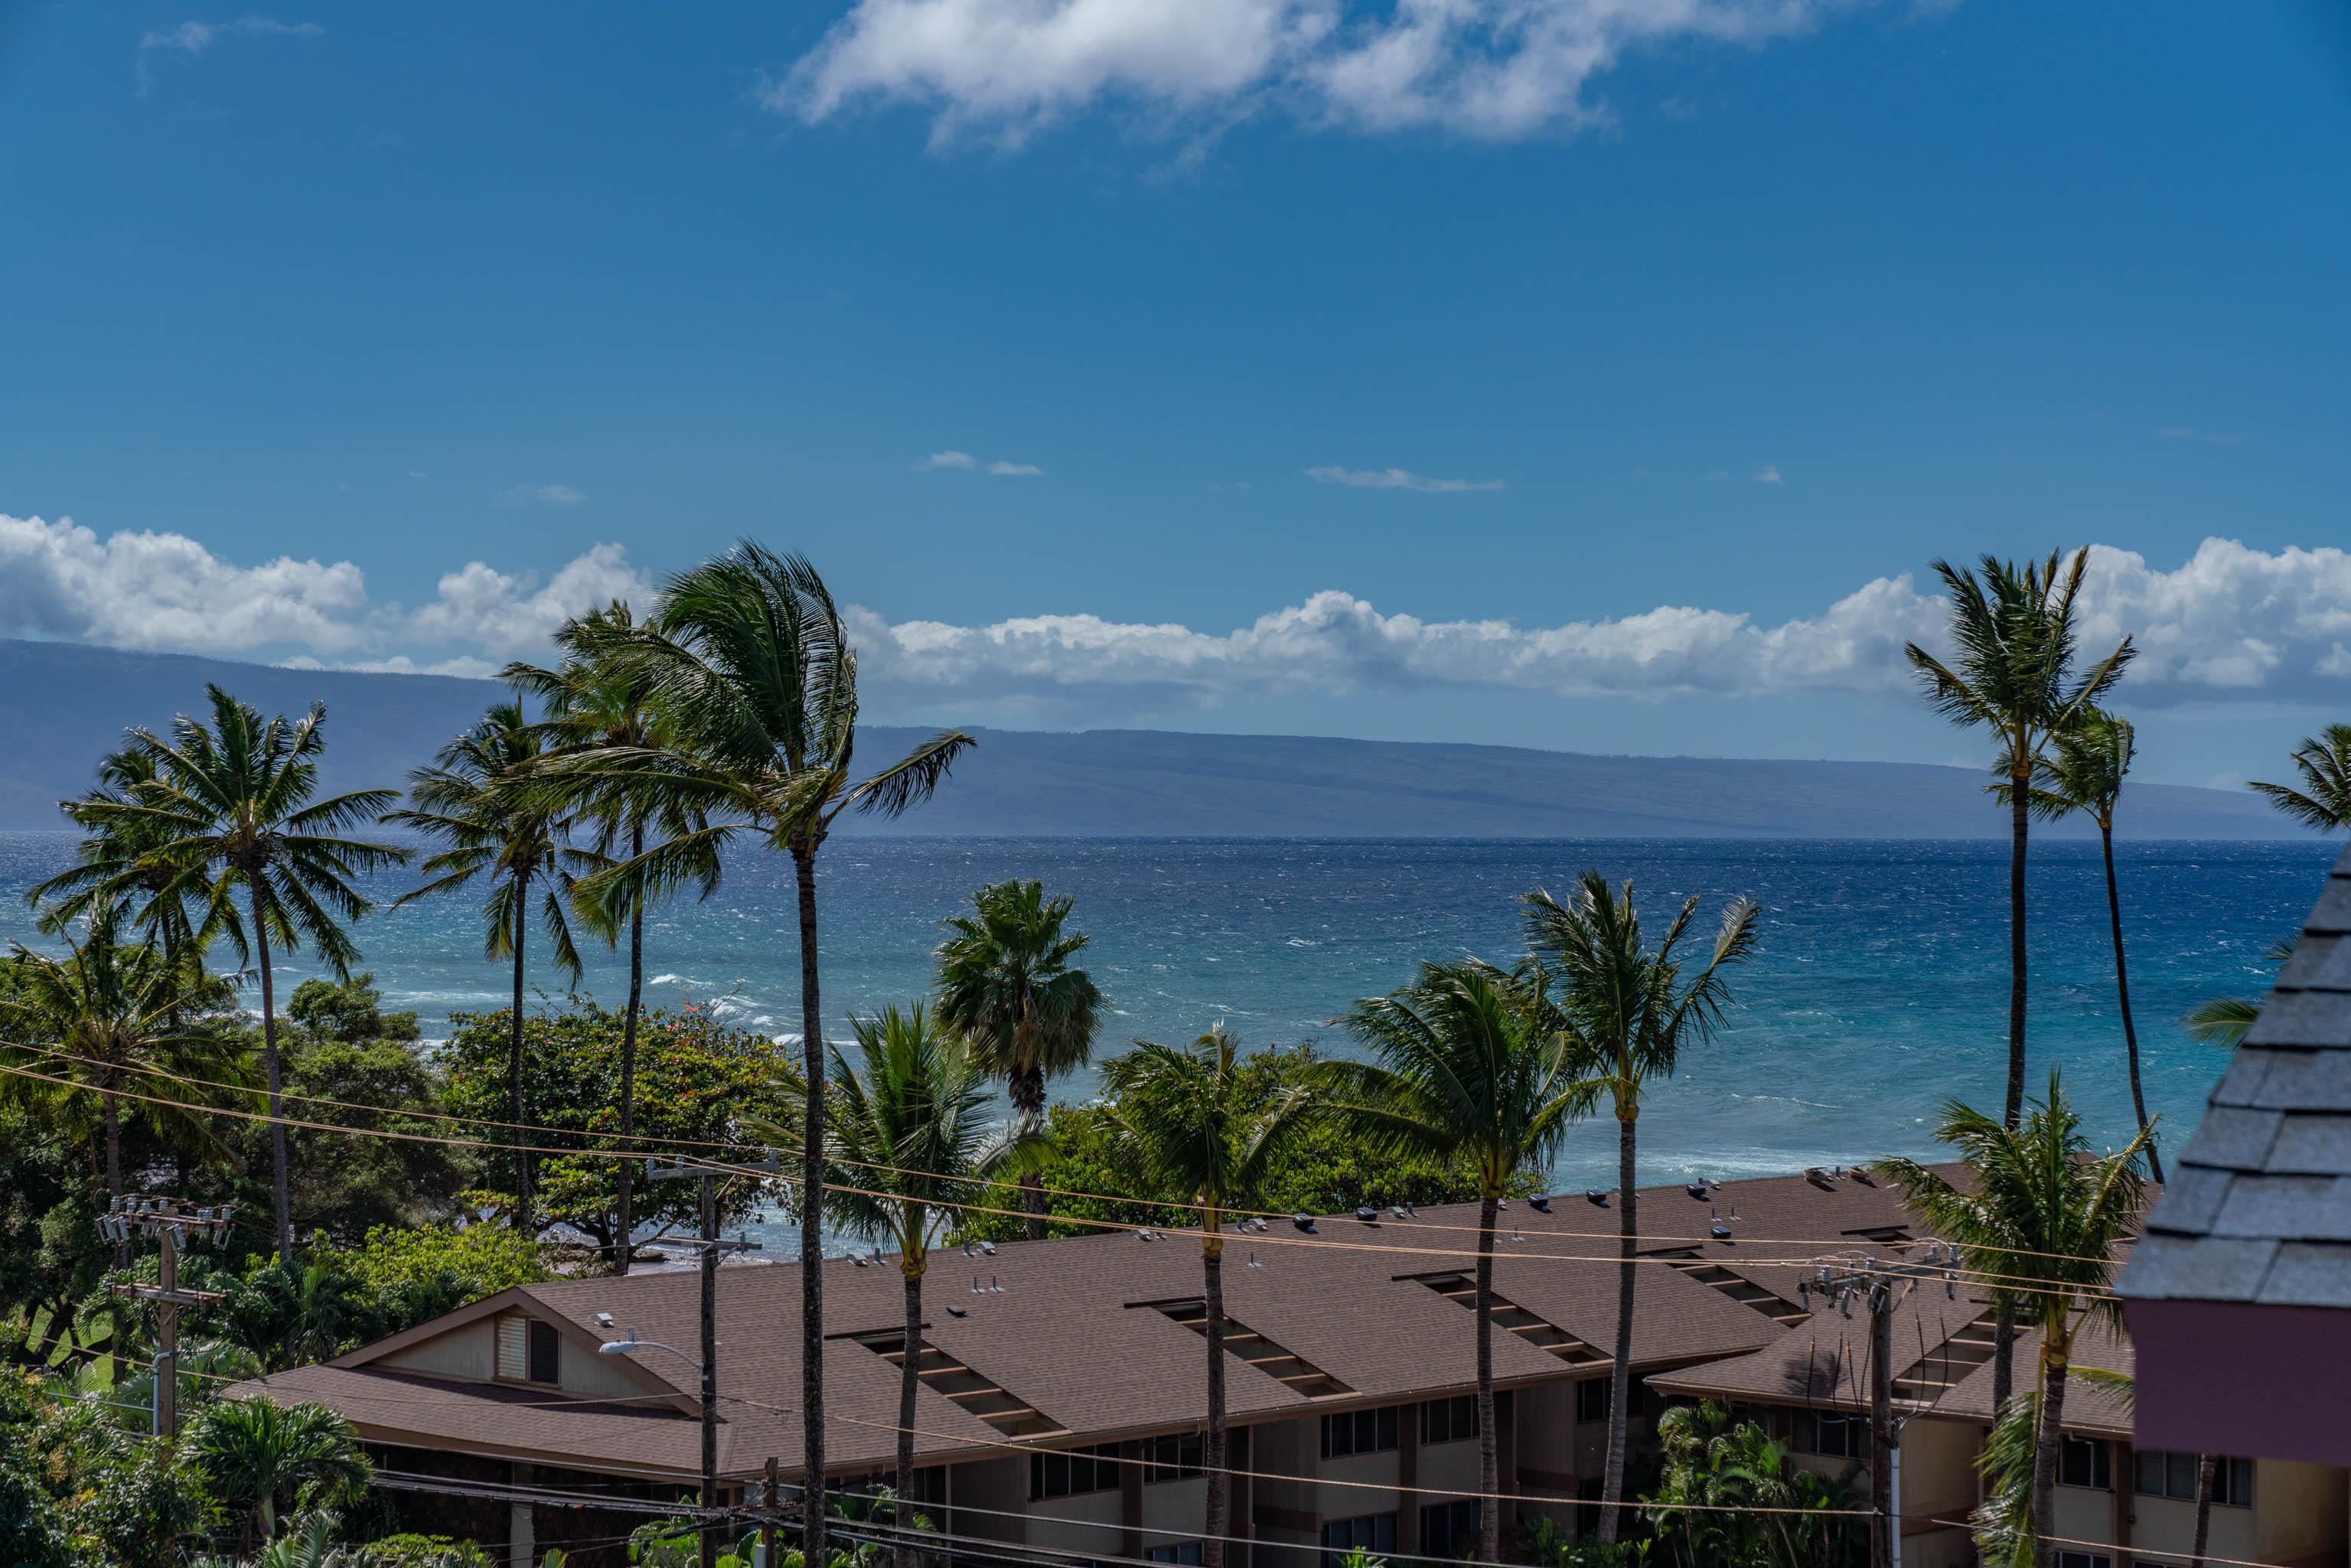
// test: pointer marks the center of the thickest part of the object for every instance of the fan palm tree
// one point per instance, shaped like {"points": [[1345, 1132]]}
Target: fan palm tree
{"points": [[1632, 1013], [2042, 1218], [229, 810], [472, 799], [260, 1455], [750, 657], [1196, 1139], [597, 700], [911, 1134], [1468, 1065], [2012, 628], [104, 1011], [2083, 775], [1006, 985], [2323, 801]]}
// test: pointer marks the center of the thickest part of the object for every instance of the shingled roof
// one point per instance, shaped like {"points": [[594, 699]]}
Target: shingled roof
{"points": [[2258, 1209]]}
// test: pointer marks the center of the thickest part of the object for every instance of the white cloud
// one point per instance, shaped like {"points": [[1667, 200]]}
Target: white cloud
{"points": [[546, 495], [167, 592], [1015, 470], [1397, 479], [948, 460], [1497, 69], [191, 40], [1768, 475]]}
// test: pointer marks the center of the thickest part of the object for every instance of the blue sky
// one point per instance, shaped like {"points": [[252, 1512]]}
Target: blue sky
{"points": [[351, 336]]}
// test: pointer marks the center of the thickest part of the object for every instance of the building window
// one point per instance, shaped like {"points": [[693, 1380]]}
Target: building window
{"points": [[1591, 1397], [1184, 1552], [1067, 1472], [1836, 1437], [1450, 1420], [1587, 1517], [2086, 1462], [545, 1353], [2157, 1473], [1449, 1529], [1171, 1459], [1371, 1532], [1359, 1432], [2083, 1560]]}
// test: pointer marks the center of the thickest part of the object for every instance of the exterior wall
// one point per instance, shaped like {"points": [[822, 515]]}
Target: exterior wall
{"points": [[999, 1486], [2298, 1513], [1939, 1481], [470, 1353]]}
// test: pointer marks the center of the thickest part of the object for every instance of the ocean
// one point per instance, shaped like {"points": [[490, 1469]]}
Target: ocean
{"points": [[1879, 988]]}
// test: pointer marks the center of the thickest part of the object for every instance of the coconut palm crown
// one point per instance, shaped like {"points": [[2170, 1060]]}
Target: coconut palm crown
{"points": [[2323, 801]]}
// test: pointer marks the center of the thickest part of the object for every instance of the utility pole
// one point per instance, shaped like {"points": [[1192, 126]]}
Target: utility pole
{"points": [[1881, 1285], [772, 1498], [171, 1223], [711, 1247]]}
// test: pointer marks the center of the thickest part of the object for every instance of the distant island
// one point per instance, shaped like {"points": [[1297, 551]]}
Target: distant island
{"points": [[64, 704]]}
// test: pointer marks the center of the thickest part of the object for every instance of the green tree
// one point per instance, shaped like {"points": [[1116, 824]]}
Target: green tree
{"points": [[1631, 1013], [421, 1271], [261, 1458], [1469, 1063], [2084, 775], [2323, 801], [2003, 1521], [229, 812], [1198, 1139], [910, 1139], [1729, 1496], [344, 1186], [750, 655], [1006, 985], [474, 800], [600, 701], [32, 1532], [2041, 1218], [348, 1012]]}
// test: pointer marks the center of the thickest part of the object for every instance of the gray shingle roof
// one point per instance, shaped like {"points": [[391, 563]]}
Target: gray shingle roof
{"points": [[2259, 1208]]}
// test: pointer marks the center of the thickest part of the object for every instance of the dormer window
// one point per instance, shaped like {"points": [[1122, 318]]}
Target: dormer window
{"points": [[530, 1351]]}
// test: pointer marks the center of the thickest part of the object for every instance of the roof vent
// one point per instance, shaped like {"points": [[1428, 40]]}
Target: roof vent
{"points": [[1696, 1188], [1539, 1204], [1367, 1214], [1819, 1178], [1304, 1222], [1597, 1197]]}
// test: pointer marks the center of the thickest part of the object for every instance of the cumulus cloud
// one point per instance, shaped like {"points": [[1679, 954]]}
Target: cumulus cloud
{"points": [[1397, 479], [193, 38], [2231, 622], [1768, 475], [948, 460], [1495, 69], [1015, 470], [167, 592]]}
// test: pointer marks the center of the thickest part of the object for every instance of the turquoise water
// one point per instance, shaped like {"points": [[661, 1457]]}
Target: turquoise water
{"points": [[1878, 988]]}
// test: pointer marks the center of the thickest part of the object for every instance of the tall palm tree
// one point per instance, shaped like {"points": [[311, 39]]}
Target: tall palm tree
{"points": [[229, 810], [110, 1010], [2083, 775], [474, 800], [264, 1456], [1631, 1013], [2003, 1521], [2323, 801], [1006, 983], [750, 656], [596, 700], [1468, 1065], [114, 860], [2012, 628], [2042, 1218], [1195, 1138], [910, 1135]]}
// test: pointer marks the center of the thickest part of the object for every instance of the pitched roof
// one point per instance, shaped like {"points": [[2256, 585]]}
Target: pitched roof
{"points": [[2259, 1206]]}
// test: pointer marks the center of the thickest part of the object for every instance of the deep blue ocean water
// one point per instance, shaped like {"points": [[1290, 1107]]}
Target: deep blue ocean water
{"points": [[1878, 988]]}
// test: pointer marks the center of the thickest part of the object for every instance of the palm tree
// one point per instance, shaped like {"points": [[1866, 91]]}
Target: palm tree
{"points": [[911, 1137], [2085, 774], [471, 798], [2003, 1521], [2223, 1020], [1631, 1014], [1469, 1066], [1196, 1139], [262, 1455], [111, 1008], [2042, 1218], [115, 863], [228, 811], [597, 700], [2323, 801], [2013, 629], [1006, 984], [750, 655]]}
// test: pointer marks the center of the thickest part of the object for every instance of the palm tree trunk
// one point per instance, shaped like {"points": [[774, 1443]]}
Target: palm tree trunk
{"points": [[2206, 1465], [2122, 992], [623, 1249], [280, 1191], [2004, 1329], [812, 1491], [909, 1380], [1620, 1377], [2044, 1461], [514, 1062], [1489, 1507], [1212, 1455]]}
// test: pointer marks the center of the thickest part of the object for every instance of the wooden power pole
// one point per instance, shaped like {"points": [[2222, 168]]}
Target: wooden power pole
{"points": [[171, 1224]]}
